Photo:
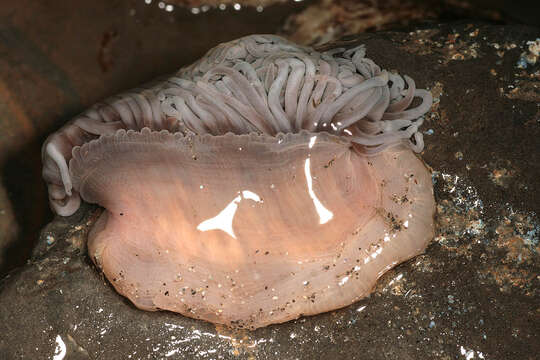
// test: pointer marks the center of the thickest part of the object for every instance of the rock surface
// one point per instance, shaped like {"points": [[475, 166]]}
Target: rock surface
{"points": [[326, 20], [474, 294]]}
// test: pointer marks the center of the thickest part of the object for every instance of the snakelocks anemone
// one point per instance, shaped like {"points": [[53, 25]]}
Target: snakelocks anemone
{"points": [[264, 182]]}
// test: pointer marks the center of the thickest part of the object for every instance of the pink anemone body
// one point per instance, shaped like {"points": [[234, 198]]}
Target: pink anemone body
{"points": [[264, 182]]}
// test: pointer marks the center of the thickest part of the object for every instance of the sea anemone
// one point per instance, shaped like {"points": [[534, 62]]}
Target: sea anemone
{"points": [[263, 182]]}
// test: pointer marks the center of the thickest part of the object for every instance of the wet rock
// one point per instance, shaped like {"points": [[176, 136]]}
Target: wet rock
{"points": [[474, 294], [206, 5], [327, 20]]}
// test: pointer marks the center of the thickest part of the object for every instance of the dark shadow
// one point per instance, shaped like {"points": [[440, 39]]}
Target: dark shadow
{"points": [[21, 176]]}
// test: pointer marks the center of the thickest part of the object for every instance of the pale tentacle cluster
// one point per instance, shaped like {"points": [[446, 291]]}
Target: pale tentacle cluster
{"points": [[259, 83]]}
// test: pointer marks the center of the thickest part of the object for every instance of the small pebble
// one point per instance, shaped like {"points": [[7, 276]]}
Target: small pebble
{"points": [[50, 239], [521, 63]]}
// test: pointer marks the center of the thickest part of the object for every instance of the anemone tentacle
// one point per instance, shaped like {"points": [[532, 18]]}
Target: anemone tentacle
{"points": [[259, 83]]}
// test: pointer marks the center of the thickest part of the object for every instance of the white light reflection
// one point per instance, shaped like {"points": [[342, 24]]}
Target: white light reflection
{"points": [[223, 221], [250, 195], [397, 278], [172, 352], [60, 350], [325, 215], [376, 253], [343, 281], [373, 255], [470, 354], [312, 141]]}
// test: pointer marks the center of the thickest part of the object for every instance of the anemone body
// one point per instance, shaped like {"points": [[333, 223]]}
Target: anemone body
{"points": [[263, 182]]}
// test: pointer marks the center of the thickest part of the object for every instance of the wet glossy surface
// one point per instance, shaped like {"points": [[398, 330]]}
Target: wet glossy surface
{"points": [[287, 195], [272, 228]]}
